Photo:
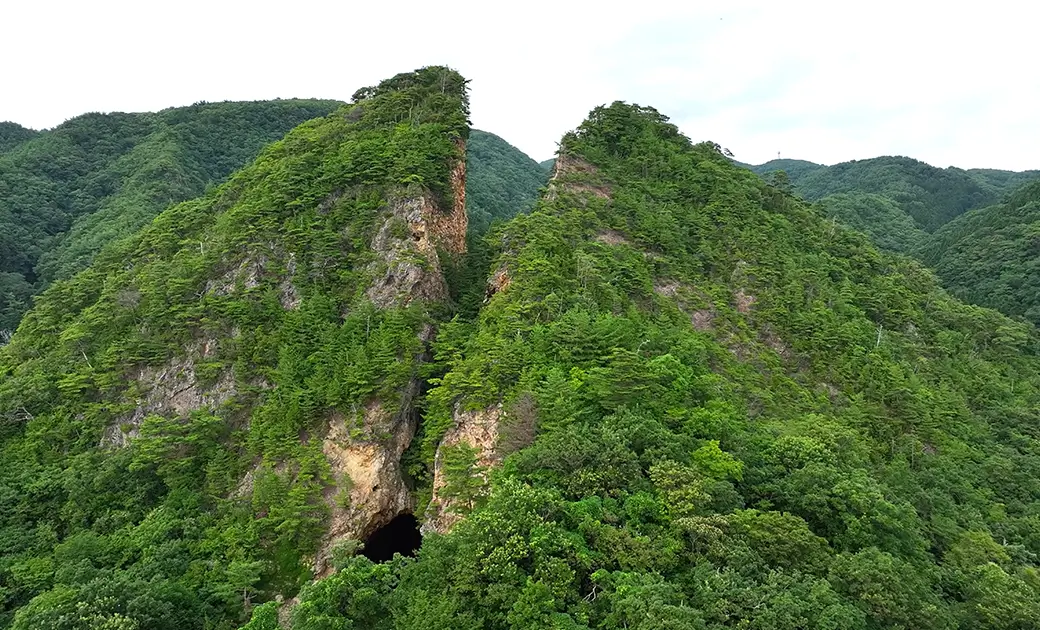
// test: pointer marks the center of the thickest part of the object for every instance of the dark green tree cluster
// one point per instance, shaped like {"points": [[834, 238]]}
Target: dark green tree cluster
{"points": [[991, 256], [948, 219], [119, 513], [13, 134], [877, 216], [501, 181], [747, 417], [67, 192]]}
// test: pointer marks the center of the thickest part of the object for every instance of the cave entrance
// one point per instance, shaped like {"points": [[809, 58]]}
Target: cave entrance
{"points": [[400, 535]]}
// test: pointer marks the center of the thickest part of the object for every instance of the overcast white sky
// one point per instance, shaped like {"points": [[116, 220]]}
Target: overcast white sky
{"points": [[816, 81]]}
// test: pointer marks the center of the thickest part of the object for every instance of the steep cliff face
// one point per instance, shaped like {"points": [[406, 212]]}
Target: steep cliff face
{"points": [[480, 431], [477, 430], [364, 446], [369, 489]]}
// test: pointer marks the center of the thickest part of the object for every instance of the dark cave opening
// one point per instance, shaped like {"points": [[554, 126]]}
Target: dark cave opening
{"points": [[400, 535]]}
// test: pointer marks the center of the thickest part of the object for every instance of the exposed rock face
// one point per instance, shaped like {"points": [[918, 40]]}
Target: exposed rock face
{"points": [[575, 175], [702, 318], [408, 268], [364, 453], [611, 237], [364, 447], [499, 281], [479, 430], [743, 301], [288, 294], [172, 389], [253, 268], [449, 228]]}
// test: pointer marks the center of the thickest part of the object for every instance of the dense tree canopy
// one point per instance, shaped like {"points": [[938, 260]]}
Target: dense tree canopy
{"points": [[930, 196], [197, 147], [501, 181], [878, 217], [991, 256], [122, 508], [13, 134], [67, 192], [715, 406], [948, 219], [746, 417]]}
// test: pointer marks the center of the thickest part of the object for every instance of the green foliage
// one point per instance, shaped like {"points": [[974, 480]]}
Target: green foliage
{"points": [[880, 218], [501, 182], [12, 135], [746, 418], [731, 414], [930, 196], [463, 481], [982, 252], [162, 411], [67, 192], [991, 256]]}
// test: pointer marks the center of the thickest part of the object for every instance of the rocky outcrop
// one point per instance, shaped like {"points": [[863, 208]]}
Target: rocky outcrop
{"points": [[449, 225], [364, 452], [407, 268], [172, 389], [479, 430], [577, 176], [364, 447], [408, 245], [499, 281], [262, 261]]}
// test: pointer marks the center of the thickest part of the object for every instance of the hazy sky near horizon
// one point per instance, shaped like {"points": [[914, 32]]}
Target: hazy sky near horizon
{"points": [[811, 80]]}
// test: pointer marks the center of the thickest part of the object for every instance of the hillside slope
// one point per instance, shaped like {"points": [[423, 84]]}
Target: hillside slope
{"points": [[67, 192], [670, 396], [12, 135], [930, 196], [690, 401], [501, 181], [991, 256], [198, 418]]}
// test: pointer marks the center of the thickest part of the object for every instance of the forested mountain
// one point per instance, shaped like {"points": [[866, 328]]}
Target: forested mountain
{"points": [[12, 134], [672, 395], [716, 410], [983, 250], [991, 256], [879, 217], [930, 196], [165, 414], [501, 181], [192, 148], [67, 192]]}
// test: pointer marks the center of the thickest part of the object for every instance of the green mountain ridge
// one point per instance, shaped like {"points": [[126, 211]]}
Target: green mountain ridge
{"points": [[182, 362], [930, 195], [668, 395], [991, 256], [501, 181], [13, 134], [167, 167], [67, 192], [980, 244], [719, 411]]}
